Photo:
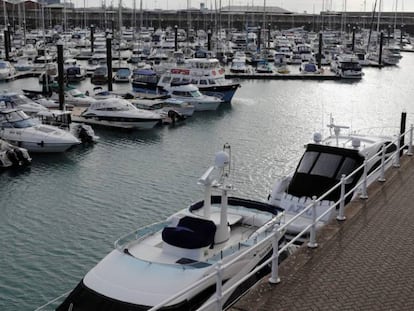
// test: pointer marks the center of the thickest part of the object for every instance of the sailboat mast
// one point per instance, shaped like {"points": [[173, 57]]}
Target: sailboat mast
{"points": [[141, 16], [379, 16], [5, 14], [372, 23]]}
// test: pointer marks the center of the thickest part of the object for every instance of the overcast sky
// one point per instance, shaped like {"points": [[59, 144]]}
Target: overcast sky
{"points": [[292, 5]]}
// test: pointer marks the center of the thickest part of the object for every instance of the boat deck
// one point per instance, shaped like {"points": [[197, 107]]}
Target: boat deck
{"points": [[363, 263], [151, 249]]}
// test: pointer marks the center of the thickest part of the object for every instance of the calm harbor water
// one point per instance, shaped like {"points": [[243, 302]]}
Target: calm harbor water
{"points": [[59, 217]]}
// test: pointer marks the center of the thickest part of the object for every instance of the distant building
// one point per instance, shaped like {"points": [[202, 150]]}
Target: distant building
{"points": [[254, 9], [50, 1]]}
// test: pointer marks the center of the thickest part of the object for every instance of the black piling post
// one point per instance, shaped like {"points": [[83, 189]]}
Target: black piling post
{"points": [[380, 49], [320, 50], [353, 39], [61, 81], [209, 40], [402, 129], [9, 33], [268, 36], [176, 38], [6, 44], [258, 37], [109, 61], [401, 35], [92, 37]]}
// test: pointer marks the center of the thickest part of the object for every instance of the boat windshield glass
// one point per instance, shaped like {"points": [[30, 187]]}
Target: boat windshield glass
{"points": [[326, 164], [3, 65], [18, 119], [195, 93]]}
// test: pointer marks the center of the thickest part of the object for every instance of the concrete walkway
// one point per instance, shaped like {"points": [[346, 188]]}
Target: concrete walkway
{"points": [[363, 263]]}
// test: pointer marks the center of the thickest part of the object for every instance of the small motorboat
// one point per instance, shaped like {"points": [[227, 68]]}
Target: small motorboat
{"points": [[191, 94], [21, 130], [100, 75], [122, 75], [117, 112]]}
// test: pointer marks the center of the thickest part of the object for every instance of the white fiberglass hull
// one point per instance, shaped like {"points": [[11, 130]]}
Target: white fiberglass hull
{"points": [[139, 124], [40, 138]]}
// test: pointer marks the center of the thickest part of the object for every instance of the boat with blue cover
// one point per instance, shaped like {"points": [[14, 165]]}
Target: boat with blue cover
{"points": [[145, 81]]}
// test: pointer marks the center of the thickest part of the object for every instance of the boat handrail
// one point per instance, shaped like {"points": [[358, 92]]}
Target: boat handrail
{"points": [[138, 235], [221, 294]]}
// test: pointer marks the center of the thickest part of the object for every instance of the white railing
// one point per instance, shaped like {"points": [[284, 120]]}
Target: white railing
{"points": [[223, 291], [222, 294]]}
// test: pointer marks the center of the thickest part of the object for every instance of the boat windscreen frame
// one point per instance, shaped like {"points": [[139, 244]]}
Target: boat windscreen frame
{"points": [[314, 177]]}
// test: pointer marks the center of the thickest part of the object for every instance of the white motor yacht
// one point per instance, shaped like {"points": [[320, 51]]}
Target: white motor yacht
{"points": [[117, 112], [11, 100], [205, 73], [321, 167], [191, 94], [153, 264], [21, 130]]}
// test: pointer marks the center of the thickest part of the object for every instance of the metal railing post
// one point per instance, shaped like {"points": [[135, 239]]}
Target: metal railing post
{"points": [[382, 176], [341, 215], [397, 154], [364, 194], [274, 277], [410, 144], [219, 290], [312, 239]]}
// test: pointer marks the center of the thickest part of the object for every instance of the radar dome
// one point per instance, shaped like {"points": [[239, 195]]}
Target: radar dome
{"points": [[317, 137], [222, 159], [356, 142]]}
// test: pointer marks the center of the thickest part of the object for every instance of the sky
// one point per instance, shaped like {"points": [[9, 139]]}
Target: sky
{"points": [[299, 6]]}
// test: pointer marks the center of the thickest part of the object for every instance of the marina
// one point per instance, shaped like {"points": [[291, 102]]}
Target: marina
{"points": [[219, 171], [77, 195]]}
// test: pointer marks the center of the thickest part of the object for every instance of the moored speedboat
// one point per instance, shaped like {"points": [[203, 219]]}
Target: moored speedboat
{"points": [[152, 264], [145, 81], [11, 100], [321, 168], [20, 130], [117, 112], [191, 94]]}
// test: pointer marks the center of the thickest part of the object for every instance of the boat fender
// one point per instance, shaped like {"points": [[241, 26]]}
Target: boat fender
{"points": [[83, 135], [175, 116], [20, 156]]}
